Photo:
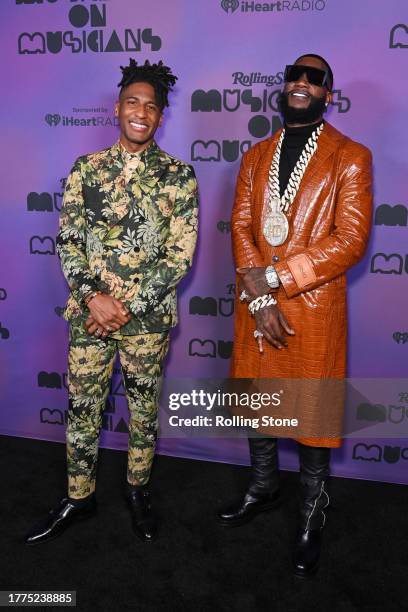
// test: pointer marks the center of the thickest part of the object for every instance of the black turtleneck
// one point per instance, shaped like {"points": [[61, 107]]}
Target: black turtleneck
{"points": [[292, 146]]}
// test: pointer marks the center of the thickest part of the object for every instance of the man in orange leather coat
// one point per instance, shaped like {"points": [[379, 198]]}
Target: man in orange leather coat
{"points": [[301, 219]]}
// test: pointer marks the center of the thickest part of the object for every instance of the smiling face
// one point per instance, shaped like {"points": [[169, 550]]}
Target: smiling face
{"points": [[139, 116], [302, 102]]}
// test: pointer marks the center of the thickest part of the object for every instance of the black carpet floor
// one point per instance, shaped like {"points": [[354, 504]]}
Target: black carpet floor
{"points": [[195, 564]]}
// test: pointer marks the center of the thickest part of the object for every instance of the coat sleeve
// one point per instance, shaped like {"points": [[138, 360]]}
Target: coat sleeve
{"points": [[71, 238], [246, 253], [178, 250], [346, 244]]}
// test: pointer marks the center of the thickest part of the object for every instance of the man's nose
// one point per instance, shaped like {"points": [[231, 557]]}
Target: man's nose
{"points": [[141, 110], [303, 79]]}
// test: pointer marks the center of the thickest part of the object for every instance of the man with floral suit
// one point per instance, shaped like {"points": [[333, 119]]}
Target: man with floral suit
{"points": [[127, 236]]}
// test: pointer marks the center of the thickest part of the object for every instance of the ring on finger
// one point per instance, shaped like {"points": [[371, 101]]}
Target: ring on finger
{"points": [[258, 337]]}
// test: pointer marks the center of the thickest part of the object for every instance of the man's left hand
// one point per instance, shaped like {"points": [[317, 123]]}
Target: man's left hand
{"points": [[253, 281]]}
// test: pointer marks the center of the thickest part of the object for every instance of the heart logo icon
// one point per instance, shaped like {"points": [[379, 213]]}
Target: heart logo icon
{"points": [[52, 119]]}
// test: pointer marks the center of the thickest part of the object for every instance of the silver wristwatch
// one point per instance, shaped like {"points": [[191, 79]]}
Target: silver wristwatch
{"points": [[272, 277]]}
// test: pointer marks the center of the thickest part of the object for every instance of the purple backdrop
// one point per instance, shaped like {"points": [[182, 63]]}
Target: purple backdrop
{"points": [[60, 70]]}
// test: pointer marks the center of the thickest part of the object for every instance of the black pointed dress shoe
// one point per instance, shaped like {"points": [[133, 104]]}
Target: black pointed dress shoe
{"points": [[263, 490], [307, 552], [143, 522], [247, 508], [59, 519]]}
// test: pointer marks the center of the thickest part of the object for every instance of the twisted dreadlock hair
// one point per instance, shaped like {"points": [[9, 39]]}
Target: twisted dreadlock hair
{"points": [[158, 75]]}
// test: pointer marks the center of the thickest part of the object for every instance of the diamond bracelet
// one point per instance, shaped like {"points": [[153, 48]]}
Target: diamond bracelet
{"points": [[261, 302]]}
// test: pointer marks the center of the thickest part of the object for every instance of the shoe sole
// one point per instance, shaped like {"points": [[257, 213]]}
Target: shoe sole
{"points": [[247, 519], [60, 533]]}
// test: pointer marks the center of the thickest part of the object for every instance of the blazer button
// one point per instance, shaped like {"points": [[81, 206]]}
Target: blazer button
{"points": [[136, 280], [275, 258]]}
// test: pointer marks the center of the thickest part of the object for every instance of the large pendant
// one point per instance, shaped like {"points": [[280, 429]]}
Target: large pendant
{"points": [[275, 225]]}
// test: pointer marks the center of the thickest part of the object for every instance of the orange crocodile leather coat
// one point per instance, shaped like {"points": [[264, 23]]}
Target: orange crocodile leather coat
{"points": [[329, 223]]}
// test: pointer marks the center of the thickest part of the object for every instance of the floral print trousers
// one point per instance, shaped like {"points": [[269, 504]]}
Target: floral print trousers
{"points": [[90, 367]]}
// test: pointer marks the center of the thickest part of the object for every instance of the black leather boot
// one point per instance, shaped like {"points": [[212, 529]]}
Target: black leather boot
{"points": [[314, 499], [60, 518], [143, 521], [263, 490]]}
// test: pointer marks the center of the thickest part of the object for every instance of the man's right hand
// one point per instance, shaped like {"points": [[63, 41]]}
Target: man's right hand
{"points": [[272, 323], [108, 312]]}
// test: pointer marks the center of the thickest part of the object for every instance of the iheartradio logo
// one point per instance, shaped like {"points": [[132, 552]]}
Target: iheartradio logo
{"points": [[53, 120]]}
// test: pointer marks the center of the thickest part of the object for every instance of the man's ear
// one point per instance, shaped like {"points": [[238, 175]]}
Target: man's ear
{"points": [[161, 119], [329, 98], [117, 108]]}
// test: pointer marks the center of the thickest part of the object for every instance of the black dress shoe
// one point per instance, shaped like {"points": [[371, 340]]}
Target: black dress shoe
{"points": [[247, 508], [143, 521], [59, 519], [307, 552]]}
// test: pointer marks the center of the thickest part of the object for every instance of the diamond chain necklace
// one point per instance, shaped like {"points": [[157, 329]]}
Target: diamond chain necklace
{"points": [[275, 225], [297, 173]]}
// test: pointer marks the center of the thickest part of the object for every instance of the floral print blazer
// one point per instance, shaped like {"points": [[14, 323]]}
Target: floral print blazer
{"points": [[129, 235]]}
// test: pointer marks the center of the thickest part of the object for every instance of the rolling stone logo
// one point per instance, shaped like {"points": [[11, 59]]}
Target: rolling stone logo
{"points": [[259, 125], [89, 34]]}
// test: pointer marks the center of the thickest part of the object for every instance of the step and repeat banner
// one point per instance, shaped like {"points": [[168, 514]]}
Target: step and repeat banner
{"points": [[60, 72]]}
